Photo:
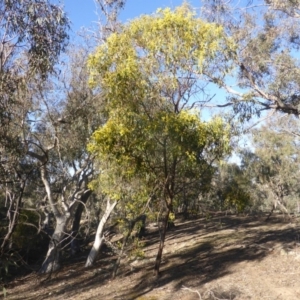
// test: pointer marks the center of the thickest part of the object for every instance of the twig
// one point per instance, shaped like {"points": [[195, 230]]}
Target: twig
{"points": [[193, 291]]}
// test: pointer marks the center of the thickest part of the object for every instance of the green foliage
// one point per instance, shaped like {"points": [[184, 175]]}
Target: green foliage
{"points": [[273, 166], [171, 217], [267, 67], [33, 35], [233, 188], [237, 198], [137, 249], [154, 55], [183, 134], [26, 235], [8, 260], [153, 141], [39, 27]]}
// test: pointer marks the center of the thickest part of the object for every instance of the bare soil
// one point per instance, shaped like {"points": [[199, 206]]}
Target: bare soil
{"points": [[225, 257]]}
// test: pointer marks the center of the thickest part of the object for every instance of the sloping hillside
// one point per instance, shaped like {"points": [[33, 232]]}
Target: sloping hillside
{"points": [[226, 257]]}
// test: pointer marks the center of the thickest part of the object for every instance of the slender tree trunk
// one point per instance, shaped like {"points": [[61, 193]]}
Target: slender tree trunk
{"points": [[271, 212], [284, 209], [99, 239], [13, 217], [76, 222], [117, 263], [161, 243]]}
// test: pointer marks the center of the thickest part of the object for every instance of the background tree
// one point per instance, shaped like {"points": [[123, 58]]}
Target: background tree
{"points": [[266, 72], [72, 123], [72, 113], [108, 22], [275, 168], [232, 188], [33, 34]]}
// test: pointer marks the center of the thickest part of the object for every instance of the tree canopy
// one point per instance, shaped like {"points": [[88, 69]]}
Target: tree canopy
{"points": [[149, 74], [266, 73]]}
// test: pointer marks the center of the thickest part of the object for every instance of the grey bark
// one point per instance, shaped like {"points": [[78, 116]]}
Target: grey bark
{"points": [[76, 222], [80, 195], [279, 202], [52, 261], [13, 214]]}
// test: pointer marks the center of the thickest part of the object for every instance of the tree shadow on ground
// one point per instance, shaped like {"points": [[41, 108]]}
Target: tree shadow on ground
{"points": [[202, 263], [196, 252]]}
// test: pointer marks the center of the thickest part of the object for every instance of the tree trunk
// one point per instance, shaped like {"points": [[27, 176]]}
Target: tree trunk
{"points": [[284, 209], [282, 206], [117, 263], [13, 214], [99, 234], [76, 222], [271, 212], [52, 260], [141, 218], [161, 243]]}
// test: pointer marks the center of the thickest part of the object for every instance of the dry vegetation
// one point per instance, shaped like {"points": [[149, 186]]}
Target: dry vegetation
{"points": [[225, 257]]}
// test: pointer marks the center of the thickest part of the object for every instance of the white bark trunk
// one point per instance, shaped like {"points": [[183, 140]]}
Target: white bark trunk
{"points": [[99, 234], [284, 209]]}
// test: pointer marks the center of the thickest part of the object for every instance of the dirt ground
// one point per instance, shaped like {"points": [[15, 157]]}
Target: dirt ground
{"points": [[226, 257]]}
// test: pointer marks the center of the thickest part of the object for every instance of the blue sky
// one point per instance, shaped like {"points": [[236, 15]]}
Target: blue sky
{"points": [[82, 13]]}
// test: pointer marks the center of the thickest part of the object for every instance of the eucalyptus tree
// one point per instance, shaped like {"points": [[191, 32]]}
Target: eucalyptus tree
{"points": [[32, 36], [231, 188], [150, 77], [267, 70], [69, 112], [277, 163], [108, 18], [73, 125], [266, 79]]}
